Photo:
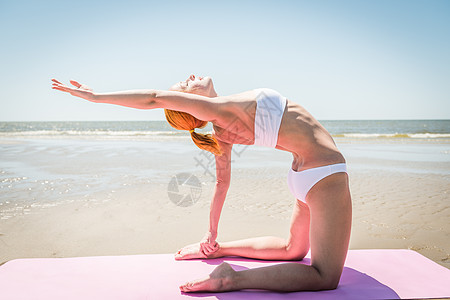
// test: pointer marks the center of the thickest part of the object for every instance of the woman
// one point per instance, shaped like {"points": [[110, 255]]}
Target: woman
{"points": [[317, 178]]}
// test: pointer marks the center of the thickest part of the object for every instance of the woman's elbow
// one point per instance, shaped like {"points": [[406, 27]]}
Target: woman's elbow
{"points": [[152, 100], [222, 183]]}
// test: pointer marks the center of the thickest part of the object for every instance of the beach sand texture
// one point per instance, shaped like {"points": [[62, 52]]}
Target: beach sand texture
{"points": [[85, 197]]}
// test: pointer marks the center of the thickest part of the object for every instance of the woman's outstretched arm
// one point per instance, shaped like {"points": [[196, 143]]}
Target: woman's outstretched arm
{"points": [[141, 99], [201, 107]]}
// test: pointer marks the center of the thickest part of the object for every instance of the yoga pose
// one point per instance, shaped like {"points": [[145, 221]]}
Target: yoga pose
{"points": [[317, 178]]}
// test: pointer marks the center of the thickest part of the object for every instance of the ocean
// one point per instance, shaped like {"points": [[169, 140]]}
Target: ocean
{"points": [[357, 129]]}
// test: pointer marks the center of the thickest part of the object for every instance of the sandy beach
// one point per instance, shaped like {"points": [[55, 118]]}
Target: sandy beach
{"points": [[85, 197]]}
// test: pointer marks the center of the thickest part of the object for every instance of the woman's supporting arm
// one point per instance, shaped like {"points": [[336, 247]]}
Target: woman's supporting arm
{"points": [[223, 177]]}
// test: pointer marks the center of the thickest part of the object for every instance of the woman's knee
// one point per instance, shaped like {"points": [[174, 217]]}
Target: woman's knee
{"points": [[296, 253], [329, 279], [330, 283]]}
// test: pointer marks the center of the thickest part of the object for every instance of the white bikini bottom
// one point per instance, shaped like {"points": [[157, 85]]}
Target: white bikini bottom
{"points": [[301, 182]]}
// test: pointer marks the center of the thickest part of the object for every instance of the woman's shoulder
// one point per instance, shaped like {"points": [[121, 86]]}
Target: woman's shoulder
{"points": [[242, 96], [237, 117], [249, 95], [237, 103]]}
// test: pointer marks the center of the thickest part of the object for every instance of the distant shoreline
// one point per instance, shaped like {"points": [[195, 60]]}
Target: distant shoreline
{"points": [[352, 129]]}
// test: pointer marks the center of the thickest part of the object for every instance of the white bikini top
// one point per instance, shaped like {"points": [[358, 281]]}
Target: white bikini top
{"points": [[270, 107]]}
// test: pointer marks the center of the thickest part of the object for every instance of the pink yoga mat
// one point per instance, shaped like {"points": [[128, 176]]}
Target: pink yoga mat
{"points": [[368, 274]]}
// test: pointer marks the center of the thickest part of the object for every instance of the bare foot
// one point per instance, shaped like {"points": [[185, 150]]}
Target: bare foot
{"points": [[220, 280], [191, 252]]}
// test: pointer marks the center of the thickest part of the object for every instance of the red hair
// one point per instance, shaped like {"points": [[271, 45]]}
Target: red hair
{"points": [[184, 121]]}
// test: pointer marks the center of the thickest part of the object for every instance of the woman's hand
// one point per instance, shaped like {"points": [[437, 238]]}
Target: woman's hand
{"points": [[80, 90], [208, 244]]}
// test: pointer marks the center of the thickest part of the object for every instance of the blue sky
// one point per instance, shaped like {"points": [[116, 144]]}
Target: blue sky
{"points": [[339, 59]]}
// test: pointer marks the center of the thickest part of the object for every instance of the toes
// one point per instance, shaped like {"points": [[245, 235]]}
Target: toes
{"points": [[189, 253], [185, 256], [178, 255], [181, 254], [194, 286], [200, 286], [184, 288]]}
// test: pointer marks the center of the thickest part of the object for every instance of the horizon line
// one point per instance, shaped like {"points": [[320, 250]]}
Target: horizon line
{"points": [[403, 119]]}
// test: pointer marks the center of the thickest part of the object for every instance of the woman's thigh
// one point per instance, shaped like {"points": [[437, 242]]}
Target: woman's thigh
{"points": [[330, 207]]}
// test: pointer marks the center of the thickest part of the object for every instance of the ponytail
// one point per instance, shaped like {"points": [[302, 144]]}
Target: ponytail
{"points": [[184, 121]]}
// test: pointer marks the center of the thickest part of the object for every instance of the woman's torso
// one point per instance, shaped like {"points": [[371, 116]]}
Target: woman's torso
{"points": [[300, 133]]}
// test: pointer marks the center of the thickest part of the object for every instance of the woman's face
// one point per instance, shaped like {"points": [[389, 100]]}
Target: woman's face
{"points": [[196, 85]]}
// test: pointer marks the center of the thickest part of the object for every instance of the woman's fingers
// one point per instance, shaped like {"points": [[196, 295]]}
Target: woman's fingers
{"points": [[215, 247], [54, 80], [207, 248], [62, 88], [59, 86], [203, 249], [75, 83], [80, 86]]}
